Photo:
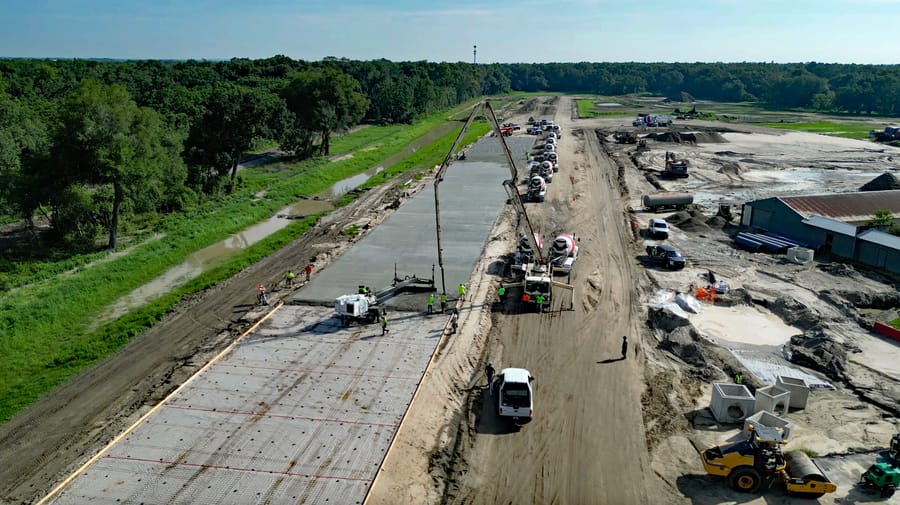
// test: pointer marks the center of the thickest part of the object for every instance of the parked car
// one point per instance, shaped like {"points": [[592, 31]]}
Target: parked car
{"points": [[666, 256], [535, 130], [659, 228], [515, 399]]}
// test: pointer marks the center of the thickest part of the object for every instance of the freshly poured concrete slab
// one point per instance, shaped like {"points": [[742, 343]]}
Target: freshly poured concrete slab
{"points": [[471, 197], [300, 411]]}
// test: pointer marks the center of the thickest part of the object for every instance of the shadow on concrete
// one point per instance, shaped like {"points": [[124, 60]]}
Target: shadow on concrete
{"points": [[611, 360]]}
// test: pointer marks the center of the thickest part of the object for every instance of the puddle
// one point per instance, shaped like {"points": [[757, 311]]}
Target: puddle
{"points": [[746, 325], [344, 186], [211, 256]]}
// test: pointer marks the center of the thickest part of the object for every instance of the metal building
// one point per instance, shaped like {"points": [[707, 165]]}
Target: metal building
{"points": [[833, 223]]}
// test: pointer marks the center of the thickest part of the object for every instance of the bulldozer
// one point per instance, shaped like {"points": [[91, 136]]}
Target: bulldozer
{"points": [[758, 462]]}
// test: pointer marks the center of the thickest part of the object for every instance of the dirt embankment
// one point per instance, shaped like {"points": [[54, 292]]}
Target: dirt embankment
{"points": [[49, 440]]}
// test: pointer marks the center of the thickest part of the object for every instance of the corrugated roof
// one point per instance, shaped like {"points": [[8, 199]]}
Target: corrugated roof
{"points": [[831, 225], [881, 238], [858, 206]]}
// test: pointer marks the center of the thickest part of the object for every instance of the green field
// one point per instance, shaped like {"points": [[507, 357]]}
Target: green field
{"points": [[895, 323], [46, 321], [847, 130], [587, 109]]}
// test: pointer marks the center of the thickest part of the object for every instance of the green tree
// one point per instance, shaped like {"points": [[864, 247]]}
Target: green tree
{"points": [[23, 136], [325, 101], [235, 116], [105, 139]]}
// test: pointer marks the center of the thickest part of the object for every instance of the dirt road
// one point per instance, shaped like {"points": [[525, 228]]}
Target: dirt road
{"points": [[586, 443], [53, 437]]}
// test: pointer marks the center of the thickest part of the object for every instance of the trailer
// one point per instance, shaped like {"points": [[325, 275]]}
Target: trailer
{"points": [[674, 200]]}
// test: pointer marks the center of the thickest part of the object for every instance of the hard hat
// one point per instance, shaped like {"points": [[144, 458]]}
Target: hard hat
{"points": [[490, 363]]}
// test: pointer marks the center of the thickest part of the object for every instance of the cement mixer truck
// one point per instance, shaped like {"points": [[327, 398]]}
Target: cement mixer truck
{"points": [[563, 252], [537, 189]]}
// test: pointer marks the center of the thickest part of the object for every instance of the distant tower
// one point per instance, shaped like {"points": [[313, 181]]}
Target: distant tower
{"points": [[474, 55]]}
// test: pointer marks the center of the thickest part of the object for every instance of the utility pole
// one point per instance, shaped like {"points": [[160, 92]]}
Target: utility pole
{"points": [[474, 55]]}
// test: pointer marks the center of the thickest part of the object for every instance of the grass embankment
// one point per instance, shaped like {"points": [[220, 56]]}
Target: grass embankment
{"points": [[587, 109], [895, 323], [846, 130], [44, 326]]}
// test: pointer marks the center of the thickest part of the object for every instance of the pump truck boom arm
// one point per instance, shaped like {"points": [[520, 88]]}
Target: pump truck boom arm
{"points": [[512, 189], [438, 177]]}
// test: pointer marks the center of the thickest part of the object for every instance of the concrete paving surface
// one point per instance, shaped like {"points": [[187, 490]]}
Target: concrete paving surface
{"points": [[302, 410], [471, 196]]}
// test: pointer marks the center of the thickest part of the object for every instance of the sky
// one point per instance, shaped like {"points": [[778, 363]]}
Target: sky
{"points": [[505, 31]]}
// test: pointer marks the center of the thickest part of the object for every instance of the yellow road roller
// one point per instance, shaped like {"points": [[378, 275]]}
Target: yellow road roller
{"points": [[758, 462]]}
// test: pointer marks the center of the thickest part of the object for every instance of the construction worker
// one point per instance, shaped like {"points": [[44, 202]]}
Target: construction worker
{"points": [[501, 293], [624, 347], [462, 292], [308, 270], [738, 377], [384, 329], [454, 320], [261, 295], [539, 299], [443, 302], [489, 372], [289, 279], [430, 303]]}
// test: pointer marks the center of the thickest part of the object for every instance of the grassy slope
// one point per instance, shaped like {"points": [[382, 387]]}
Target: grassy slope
{"points": [[847, 130], [44, 325]]}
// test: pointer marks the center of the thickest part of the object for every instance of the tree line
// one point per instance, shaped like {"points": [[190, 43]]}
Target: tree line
{"points": [[86, 142]]}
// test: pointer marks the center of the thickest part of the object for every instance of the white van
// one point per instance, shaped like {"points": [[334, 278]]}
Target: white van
{"points": [[515, 397]]}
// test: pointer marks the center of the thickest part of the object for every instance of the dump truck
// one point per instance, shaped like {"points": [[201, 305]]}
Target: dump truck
{"points": [[669, 200], [757, 462]]}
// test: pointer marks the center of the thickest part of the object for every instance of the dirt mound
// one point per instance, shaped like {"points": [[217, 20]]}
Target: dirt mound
{"points": [[716, 222], [689, 220], [709, 138], [794, 313], [702, 137], [814, 349], [731, 168], [883, 182]]}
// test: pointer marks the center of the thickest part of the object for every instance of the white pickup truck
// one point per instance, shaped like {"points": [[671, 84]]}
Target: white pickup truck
{"points": [[515, 399]]}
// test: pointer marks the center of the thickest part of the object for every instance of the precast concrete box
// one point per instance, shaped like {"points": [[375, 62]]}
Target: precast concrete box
{"points": [[798, 389], [731, 403], [768, 419], [774, 399]]}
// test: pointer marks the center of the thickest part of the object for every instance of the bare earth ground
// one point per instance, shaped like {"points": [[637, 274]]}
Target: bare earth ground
{"points": [[605, 431]]}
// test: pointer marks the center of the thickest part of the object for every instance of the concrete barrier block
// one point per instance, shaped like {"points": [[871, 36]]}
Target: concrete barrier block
{"points": [[770, 420], [774, 399], [798, 388], [731, 403]]}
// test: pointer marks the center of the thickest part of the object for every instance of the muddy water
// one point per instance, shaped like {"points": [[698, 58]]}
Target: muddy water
{"points": [[212, 256], [216, 254]]}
